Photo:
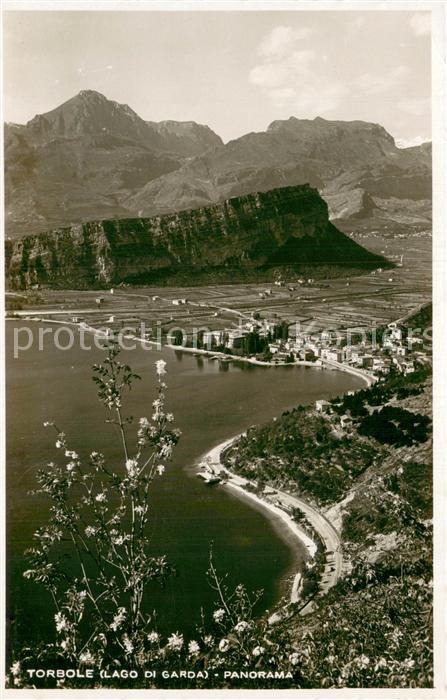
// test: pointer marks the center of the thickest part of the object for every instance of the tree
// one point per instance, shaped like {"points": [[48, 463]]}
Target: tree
{"points": [[281, 331], [176, 336]]}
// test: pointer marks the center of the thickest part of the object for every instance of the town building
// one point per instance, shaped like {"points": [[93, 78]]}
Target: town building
{"points": [[322, 406], [345, 421]]}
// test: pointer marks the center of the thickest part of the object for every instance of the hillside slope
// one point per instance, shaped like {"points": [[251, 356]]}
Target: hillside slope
{"points": [[374, 627]]}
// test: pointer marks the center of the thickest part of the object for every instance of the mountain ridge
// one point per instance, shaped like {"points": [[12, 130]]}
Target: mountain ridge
{"points": [[95, 158]]}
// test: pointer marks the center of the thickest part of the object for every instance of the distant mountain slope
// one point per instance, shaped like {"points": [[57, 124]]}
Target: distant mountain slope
{"points": [[93, 158], [356, 159], [80, 160], [186, 138], [258, 232]]}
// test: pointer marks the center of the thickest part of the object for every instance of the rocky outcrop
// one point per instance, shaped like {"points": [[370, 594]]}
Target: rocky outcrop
{"points": [[287, 226], [350, 204]]}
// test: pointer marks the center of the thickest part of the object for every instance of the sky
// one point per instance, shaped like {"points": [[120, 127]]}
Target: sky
{"points": [[235, 71]]}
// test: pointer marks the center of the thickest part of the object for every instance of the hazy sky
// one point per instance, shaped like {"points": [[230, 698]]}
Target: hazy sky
{"points": [[235, 71]]}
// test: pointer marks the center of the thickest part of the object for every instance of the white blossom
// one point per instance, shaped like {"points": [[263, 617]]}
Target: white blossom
{"points": [[101, 497], [153, 637], [128, 645], [160, 469], [224, 645], [15, 668], [219, 615], [165, 451], [87, 658], [169, 417], [118, 540], [362, 661], [241, 626], [294, 658], [132, 467], [118, 619], [161, 367], [48, 423], [175, 641], [61, 622], [90, 531], [257, 651], [193, 648]]}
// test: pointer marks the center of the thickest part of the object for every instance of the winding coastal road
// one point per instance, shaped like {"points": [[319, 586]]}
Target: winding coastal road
{"points": [[283, 501], [329, 536]]}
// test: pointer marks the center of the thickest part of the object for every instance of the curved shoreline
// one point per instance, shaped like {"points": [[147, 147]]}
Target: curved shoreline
{"points": [[327, 533], [318, 364], [213, 457]]}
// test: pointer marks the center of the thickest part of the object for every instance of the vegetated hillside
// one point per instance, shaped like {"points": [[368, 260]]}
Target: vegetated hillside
{"points": [[251, 235], [374, 628], [80, 160], [92, 158]]}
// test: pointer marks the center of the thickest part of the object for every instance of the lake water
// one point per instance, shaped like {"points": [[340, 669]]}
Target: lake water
{"points": [[210, 402]]}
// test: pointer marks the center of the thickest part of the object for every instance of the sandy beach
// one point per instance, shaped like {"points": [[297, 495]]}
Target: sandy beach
{"points": [[238, 484]]}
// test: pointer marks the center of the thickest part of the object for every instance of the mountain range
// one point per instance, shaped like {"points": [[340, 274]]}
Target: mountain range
{"points": [[92, 158]]}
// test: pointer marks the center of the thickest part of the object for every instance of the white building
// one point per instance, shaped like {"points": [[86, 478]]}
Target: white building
{"points": [[322, 406], [234, 336], [212, 338]]}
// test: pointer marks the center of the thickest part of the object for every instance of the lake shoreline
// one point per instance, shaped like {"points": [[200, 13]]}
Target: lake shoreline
{"points": [[214, 455], [218, 355], [238, 484]]}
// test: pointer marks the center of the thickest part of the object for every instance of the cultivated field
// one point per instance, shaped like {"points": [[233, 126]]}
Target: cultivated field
{"points": [[375, 298]]}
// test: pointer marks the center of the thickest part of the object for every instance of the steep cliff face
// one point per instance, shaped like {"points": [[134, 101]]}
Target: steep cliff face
{"points": [[286, 226]]}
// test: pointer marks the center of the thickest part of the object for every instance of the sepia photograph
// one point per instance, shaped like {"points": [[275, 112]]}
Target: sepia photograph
{"points": [[221, 223]]}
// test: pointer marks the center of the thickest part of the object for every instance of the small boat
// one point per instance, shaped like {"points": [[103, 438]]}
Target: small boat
{"points": [[209, 478], [213, 481]]}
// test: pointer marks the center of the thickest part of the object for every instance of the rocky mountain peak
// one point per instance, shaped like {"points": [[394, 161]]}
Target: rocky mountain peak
{"points": [[93, 157], [86, 113], [91, 94]]}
